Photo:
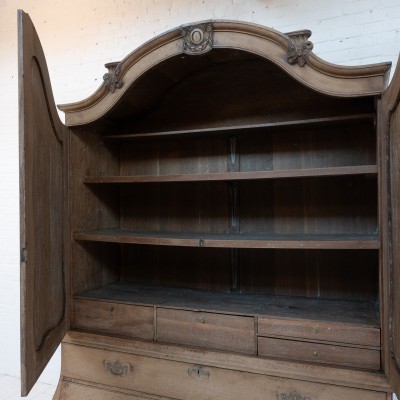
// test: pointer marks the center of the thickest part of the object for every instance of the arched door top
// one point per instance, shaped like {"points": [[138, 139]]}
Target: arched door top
{"points": [[292, 52]]}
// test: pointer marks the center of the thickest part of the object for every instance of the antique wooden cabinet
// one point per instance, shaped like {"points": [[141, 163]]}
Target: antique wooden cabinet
{"points": [[220, 220]]}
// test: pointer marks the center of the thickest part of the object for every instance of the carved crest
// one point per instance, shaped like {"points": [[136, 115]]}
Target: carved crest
{"points": [[197, 39], [292, 396], [112, 79], [299, 47], [116, 368]]}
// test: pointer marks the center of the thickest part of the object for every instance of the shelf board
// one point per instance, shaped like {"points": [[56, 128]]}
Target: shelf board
{"points": [[236, 176], [233, 240], [243, 128], [344, 311]]}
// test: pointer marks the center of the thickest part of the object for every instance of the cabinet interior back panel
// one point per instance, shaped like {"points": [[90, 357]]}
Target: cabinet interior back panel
{"points": [[169, 157], [200, 268], [333, 274], [191, 207], [312, 205], [338, 145], [221, 89], [312, 147], [349, 274]]}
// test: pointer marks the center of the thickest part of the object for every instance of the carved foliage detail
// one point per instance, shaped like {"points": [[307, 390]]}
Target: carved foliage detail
{"points": [[292, 396], [117, 368], [299, 47], [197, 39], [112, 78]]}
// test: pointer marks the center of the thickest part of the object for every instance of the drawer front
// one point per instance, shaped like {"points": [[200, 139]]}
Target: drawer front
{"points": [[319, 330], [180, 380], [119, 319], [208, 330], [82, 391], [320, 353]]}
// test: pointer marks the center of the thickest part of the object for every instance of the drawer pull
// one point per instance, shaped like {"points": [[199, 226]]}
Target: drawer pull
{"points": [[315, 352], [198, 371], [315, 330], [293, 396], [116, 368]]}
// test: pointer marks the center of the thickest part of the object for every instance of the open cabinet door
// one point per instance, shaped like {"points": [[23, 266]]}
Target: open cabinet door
{"points": [[43, 210], [391, 125]]}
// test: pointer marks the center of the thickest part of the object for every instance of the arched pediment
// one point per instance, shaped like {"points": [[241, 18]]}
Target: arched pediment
{"points": [[290, 52]]}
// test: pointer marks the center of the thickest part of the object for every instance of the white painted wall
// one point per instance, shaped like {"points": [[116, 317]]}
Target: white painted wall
{"points": [[79, 36]]}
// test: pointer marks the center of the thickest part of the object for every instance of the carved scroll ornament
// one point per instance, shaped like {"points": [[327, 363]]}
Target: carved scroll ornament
{"points": [[112, 80], [197, 39], [299, 47]]}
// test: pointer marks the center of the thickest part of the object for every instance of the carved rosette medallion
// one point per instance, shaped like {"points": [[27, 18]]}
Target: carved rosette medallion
{"points": [[112, 80], [299, 47], [197, 39], [292, 396]]}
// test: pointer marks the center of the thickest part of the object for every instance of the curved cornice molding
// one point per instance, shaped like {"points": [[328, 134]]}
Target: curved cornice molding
{"points": [[292, 52]]}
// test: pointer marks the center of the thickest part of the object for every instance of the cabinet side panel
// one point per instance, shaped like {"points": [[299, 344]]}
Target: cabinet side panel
{"points": [[395, 209], [389, 140], [93, 207]]}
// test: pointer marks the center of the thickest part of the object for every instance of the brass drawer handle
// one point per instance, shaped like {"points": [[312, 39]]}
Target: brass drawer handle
{"points": [[118, 369], [198, 371], [293, 396]]}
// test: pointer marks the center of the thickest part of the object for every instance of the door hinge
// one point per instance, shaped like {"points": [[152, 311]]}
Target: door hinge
{"points": [[23, 255]]}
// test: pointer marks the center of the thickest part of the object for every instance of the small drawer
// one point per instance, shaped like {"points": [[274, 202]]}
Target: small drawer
{"points": [[183, 380], [319, 353], [119, 319], [319, 330], [208, 330]]}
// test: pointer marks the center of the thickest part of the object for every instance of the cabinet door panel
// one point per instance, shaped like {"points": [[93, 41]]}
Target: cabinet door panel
{"points": [[43, 208], [390, 129]]}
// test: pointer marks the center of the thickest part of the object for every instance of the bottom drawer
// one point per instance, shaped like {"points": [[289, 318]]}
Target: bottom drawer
{"points": [[82, 391], [321, 353], [184, 381]]}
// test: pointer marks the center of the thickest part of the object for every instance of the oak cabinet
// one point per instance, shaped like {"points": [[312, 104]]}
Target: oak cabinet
{"points": [[219, 220]]}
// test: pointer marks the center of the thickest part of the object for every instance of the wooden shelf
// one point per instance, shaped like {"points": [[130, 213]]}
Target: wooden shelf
{"points": [[243, 128], [230, 240], [236, 176], [344, 311]]}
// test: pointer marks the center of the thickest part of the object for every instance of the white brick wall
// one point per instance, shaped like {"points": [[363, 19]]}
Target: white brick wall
{"points": [[79, 36]]}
